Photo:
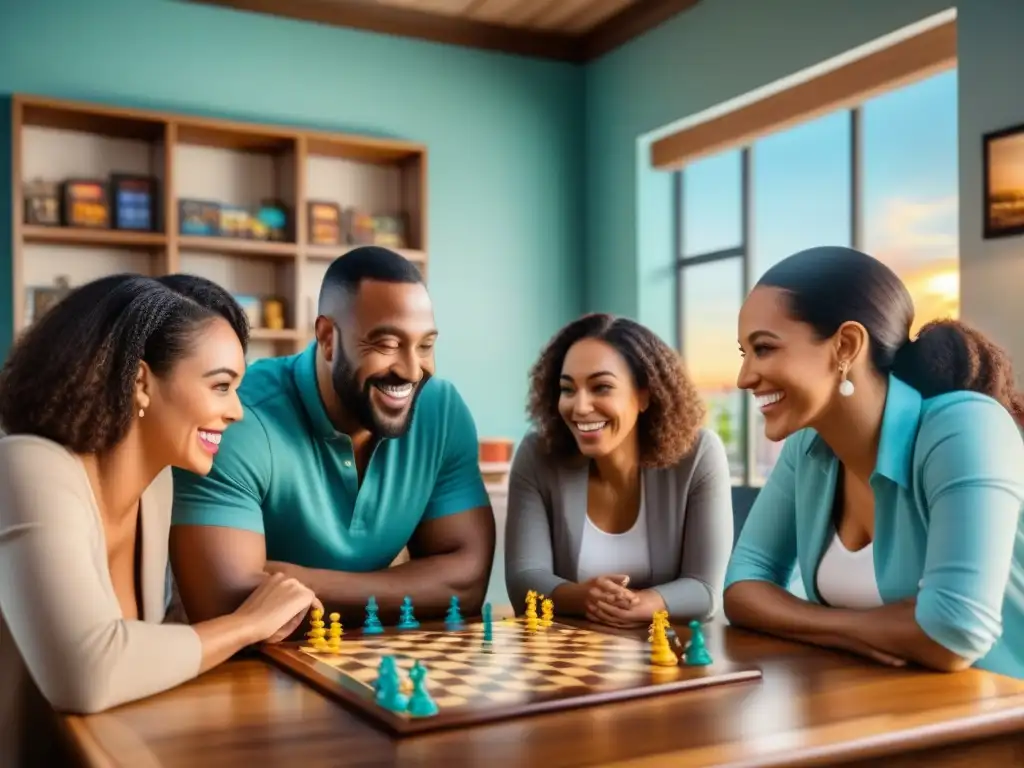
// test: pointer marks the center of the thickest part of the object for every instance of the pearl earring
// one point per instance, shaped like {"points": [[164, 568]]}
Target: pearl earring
{"points": [[142, 412], [845, 386]]}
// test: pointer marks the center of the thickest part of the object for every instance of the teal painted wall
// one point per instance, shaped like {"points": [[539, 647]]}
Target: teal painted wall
{"points": [[506, 163], [529, 224], [718, 50], [6, 278], [991, 57]]}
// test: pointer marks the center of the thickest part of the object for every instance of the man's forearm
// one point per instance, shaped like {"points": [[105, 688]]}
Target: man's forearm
{"points": [[429, 581]]}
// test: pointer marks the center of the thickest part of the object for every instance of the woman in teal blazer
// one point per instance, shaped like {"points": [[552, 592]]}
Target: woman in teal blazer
{"points": [[898, 491]]}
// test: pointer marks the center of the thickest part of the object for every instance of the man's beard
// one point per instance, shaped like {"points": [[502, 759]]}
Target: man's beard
{"points": [[358, 403]]}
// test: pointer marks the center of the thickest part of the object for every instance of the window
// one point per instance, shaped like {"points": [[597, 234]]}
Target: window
{"points": [[712, 293], [881, 177], [910, 200], [711, 200]]}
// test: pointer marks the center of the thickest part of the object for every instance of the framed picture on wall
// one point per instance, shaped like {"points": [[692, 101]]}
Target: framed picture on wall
{"points": [[1003, 170]]}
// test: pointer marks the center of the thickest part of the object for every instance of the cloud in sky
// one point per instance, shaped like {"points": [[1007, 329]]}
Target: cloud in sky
{"points": [[907, 233], [917, 238]]}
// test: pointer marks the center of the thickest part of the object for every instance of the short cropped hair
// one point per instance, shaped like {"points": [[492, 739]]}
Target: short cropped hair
{"points": [[371, 262]]}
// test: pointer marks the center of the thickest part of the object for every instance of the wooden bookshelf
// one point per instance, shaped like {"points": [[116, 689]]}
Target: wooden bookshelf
{"points": [[204, 159]]}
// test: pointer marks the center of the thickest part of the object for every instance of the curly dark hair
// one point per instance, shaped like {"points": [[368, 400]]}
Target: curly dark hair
{"points": [[667, 430], [830, 285], [71, 377]]}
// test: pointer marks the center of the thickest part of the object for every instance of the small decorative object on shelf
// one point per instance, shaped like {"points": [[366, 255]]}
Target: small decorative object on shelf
{"points": [[389, 231], [42, 203], [42, 297], [234, 221], [270, 222], [253, 309], [199, 217], [267, 221], [86, 204], [496, 449], [324, 223], [357, 226], [135, 202], [273, 314]]}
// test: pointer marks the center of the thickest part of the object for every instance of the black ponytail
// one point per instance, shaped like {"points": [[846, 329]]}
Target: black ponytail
{"points": [[950, 356]]}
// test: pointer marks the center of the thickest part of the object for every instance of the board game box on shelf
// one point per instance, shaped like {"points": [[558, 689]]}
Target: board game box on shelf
{"points": [[412, 678]]}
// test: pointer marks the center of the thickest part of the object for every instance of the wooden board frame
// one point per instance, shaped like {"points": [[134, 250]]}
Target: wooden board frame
{"points": [[358, 696]]}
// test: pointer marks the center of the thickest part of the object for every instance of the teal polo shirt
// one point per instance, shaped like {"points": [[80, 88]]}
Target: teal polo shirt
{"points": [[284, 471], [949, 488]]}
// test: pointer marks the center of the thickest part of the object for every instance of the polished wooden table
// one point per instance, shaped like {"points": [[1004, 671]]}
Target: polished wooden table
{"points": [[812, 708]]}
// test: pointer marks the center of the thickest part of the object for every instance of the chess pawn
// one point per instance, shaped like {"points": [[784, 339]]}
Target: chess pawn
{"points": [[334, 641], [453, 619], [316, 624], [488, 624], [531, 611], [547, 612], [696, 654], [388, 686], [372, 625]]}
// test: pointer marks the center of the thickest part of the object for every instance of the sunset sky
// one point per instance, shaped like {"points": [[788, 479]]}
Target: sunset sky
{"points": [[1007, 164], [801, 190]]}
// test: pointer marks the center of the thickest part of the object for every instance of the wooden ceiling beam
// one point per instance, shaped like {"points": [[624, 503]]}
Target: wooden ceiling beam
{"points": [[632, 21]]}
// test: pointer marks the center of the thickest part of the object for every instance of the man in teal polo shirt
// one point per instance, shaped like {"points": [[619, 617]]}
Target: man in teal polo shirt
{"points": [[346, 453]]}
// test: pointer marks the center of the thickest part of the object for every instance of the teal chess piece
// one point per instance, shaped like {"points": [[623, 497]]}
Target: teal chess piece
{"points": [[488, 624], [372, 625], [388, 667], [388, 686], [420, 703], [405, 618], [696, 651], [453, 619]]}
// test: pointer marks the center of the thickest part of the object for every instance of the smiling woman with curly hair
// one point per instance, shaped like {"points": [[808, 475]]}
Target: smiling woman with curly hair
{"points": [[619, 500]]}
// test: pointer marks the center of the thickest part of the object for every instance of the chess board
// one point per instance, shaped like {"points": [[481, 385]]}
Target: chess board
{"points": [[518, 673]]}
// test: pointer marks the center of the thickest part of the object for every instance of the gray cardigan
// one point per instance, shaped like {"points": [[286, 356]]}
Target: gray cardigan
{"points": [[689, 518]]}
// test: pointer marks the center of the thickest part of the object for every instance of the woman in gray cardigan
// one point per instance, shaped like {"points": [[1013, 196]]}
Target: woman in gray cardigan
{"points": [[620, 503]]}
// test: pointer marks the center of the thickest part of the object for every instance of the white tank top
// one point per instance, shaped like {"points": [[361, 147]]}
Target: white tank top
{"points": [[602, 553], [847, 579]]}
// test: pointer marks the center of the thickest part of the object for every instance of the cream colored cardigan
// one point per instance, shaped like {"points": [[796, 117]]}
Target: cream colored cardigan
{"points": [[64, 643]]}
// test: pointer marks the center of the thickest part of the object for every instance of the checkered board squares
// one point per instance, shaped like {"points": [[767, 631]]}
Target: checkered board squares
{"points": [[517, 673]]}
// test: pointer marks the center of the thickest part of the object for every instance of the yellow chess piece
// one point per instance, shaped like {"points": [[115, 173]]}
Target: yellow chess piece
{"points": [[659, 616], [315, 635], [661, 652], [334, 641], [531, 611], [547, 612]]}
